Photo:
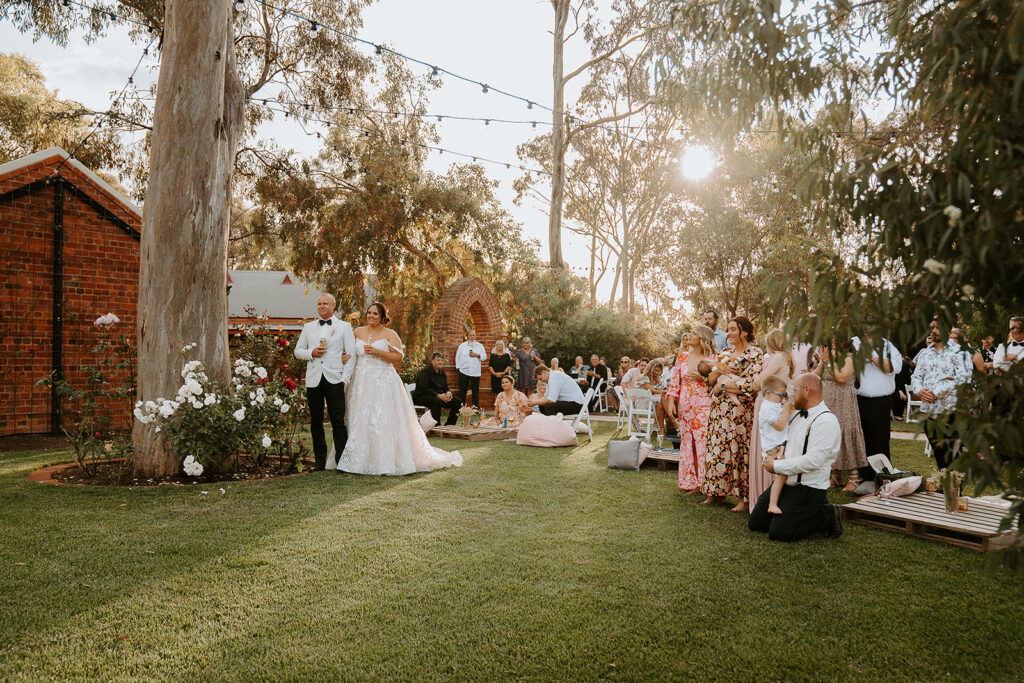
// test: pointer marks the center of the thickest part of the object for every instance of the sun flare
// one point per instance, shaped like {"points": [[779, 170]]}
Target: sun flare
{"points": [[697, 162]]}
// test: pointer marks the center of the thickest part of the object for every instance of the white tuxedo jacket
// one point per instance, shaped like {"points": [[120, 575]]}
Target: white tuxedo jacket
{"points": [[339, 340]]}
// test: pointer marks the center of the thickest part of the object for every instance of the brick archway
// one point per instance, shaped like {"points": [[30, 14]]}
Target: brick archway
{"points": [[466, 298]]}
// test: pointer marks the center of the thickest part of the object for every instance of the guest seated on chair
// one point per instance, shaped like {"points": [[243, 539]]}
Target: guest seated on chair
{"points": [[510, 405], [633, 374], [563, 395], [812, 446], [597, 372], [432, 391]]}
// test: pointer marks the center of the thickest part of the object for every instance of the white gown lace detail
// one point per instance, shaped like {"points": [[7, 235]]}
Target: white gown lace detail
{"points": [[384, 434]]}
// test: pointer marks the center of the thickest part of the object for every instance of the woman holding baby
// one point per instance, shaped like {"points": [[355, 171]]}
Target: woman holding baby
{"points": [[689, 403], [731, 419]]}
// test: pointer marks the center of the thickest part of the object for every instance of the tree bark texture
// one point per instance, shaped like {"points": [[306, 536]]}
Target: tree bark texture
{"points": [[183, 270], [559, 123]]}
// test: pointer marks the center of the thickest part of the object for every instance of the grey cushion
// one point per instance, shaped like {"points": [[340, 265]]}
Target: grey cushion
{"points": [[866, 488], [624, 455]]}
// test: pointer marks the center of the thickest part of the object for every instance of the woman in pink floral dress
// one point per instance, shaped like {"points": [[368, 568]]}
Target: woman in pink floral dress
{"points": [[689, 403], [509, 405], [730, 425]]}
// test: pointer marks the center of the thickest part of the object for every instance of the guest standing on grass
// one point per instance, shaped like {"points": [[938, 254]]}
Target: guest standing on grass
{"points": [[689, 405], [527, 359], [812, 444], [468, 361], [875, 387], [937, 373], [729, 425], [500, 365], [778, 362], [561, 396], [837, 391], [711, 321]]}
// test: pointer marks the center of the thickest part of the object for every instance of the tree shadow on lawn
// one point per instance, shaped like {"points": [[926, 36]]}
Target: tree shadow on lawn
{"points": [[82, 547]]}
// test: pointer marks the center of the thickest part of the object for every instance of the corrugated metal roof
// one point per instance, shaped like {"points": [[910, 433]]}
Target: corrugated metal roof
{"points": [[264, 291], [269, 291]]}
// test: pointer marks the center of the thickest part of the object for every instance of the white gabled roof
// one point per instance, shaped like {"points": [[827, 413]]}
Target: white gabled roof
{"points": [[52, 152]]}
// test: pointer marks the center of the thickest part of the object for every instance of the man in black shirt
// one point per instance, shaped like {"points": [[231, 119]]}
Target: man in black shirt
{"points": [[432, 391], [597, 372]]}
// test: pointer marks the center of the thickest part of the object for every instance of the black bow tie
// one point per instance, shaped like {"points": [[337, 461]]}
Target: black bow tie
{"points": [[1016, 343], [802, 413], [325, 322]]}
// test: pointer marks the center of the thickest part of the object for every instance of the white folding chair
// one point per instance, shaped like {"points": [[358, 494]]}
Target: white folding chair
{"points": [[584, 415], [623, 416], [411, 388], [912, 414], [641, 412], [602, 404]]}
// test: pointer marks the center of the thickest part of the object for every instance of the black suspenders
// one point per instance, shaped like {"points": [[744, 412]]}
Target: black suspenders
{"points": [[807, 438]]}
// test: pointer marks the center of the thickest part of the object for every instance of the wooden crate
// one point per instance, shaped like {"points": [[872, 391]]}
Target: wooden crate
{"points": [[473, 433], [924, 515]]}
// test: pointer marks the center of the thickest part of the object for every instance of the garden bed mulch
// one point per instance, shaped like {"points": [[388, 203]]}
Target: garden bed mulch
{"points": [[112, 473]]}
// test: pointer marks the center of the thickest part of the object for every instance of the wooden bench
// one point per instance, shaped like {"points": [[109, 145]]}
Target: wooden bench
{"points": [[474, 433], [924, 515]]}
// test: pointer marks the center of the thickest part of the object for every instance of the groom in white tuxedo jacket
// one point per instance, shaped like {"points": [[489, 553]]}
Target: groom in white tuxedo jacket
{"points": [[322, 344]]}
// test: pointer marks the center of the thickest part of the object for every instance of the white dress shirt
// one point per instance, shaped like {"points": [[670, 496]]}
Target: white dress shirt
{"points": [[562, 387], [339, 340], [465, 363], [721, 341], [875, 382], [815, 465], [1012, 347]]}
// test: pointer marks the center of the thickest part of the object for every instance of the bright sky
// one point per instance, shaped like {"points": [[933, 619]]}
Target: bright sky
{"points": [[505, 44]]}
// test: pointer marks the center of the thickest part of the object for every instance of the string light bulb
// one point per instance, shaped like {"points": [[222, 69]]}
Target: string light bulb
{"points": [[433, 71], [379, 50], [239, 5], [314, 29], [487, 122], [484, 88], [529, 104]]}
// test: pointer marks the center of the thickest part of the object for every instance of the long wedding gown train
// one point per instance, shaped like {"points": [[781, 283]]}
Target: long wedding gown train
{"points": [[384, 434]]}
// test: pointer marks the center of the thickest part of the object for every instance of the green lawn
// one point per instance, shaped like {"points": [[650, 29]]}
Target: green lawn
{"points": [[523, 563]]}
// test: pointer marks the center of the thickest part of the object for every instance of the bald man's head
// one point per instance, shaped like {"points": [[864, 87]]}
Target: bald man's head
{"points": [[806, 391]]}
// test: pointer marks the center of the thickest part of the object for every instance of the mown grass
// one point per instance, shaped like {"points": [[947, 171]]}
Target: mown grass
{"points": [[523, 563]]}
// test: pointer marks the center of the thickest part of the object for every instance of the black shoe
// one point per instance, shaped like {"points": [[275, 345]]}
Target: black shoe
{"points": [[834, 527]]}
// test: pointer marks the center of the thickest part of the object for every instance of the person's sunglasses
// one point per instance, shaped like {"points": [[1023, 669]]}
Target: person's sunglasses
{"points": [[782, 396]]}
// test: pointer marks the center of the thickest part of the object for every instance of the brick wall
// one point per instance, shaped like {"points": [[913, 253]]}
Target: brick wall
{"points": [[101, 263], [467, 298]]}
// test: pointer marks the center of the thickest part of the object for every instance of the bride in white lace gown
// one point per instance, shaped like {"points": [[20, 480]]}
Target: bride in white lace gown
{"points": [[384, 434]]}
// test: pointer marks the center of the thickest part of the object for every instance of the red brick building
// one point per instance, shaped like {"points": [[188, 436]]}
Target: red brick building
{"points": [[69, 253]]}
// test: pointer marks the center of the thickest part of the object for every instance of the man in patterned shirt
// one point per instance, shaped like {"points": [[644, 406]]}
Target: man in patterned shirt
{"points": [[937, 373]]}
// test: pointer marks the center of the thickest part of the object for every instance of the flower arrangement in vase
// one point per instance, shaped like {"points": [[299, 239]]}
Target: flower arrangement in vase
{"points": [[467, 413]]}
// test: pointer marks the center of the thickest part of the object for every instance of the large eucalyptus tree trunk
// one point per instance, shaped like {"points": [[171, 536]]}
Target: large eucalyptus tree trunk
{"points": [[183, 270], [559, 125]]}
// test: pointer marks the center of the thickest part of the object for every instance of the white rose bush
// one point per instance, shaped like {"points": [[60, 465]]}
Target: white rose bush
{"points": [[218, 429]]}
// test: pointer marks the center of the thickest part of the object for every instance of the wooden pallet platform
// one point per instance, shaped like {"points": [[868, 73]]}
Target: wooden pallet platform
{"points": [[665, 460], [474, 433], [924, 515]]}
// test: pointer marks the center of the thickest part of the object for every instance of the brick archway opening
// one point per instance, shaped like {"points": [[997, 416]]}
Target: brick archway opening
{"points": [[467, 300]]}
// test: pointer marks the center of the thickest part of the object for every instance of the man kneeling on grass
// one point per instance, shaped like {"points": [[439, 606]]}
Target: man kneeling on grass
{"points": [[814, 439], [563, 394]]}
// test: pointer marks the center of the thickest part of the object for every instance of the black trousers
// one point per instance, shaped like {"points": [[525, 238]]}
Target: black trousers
{"points": [[436, 405], [566, 408], [334, 396], [875, 414], [805, 511], [943, 449], [467, 383]]}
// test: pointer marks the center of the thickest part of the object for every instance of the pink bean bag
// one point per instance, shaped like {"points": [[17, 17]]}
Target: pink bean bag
{"points": [[546, 431]]}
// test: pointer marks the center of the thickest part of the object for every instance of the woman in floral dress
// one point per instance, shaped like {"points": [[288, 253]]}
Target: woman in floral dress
{"points": [[510, 405], [729, 425], [689, 404]]}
